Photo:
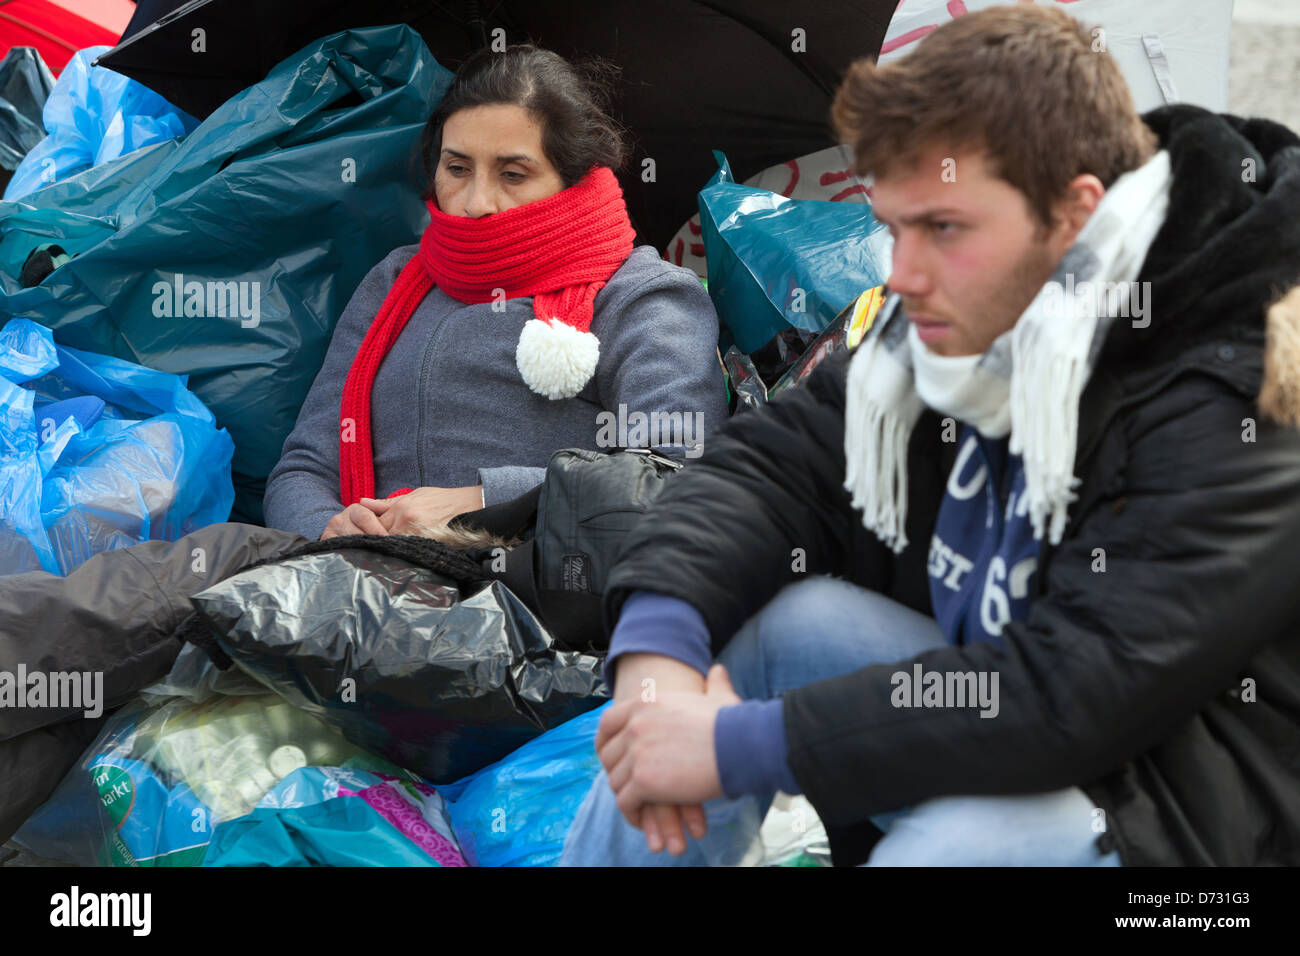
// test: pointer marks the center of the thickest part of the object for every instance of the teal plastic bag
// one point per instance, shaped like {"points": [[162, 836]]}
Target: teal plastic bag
{"points": [[327, 816], [97, 453], [229, 254], [777, 263], [517, 812]]}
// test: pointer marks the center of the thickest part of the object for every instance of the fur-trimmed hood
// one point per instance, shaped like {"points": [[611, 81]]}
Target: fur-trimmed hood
{"points": [[1225, 265], [1279, 397]]}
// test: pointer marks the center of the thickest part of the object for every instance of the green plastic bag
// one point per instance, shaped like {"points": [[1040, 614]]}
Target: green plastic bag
{"points": [[229, 254]]}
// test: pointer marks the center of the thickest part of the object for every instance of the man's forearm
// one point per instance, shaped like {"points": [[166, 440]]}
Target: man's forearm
{"points": [[665, 626], [750, 748]]}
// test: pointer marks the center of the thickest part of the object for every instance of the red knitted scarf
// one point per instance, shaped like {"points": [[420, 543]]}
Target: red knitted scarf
{"points": [[560, 250]]}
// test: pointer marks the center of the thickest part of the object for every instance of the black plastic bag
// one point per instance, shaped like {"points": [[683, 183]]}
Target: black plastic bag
{"points": [[843, 334], [747, 388], [25, 84], [396, 658]]}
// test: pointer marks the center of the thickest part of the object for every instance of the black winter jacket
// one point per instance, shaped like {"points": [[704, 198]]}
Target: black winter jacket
{"points": [[1167, 685]]}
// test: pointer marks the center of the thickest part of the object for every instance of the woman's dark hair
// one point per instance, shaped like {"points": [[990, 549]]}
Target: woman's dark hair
{"points": [[569, 100]]}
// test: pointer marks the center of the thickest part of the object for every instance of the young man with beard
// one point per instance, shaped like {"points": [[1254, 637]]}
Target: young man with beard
{"points": [[1049, 509]]}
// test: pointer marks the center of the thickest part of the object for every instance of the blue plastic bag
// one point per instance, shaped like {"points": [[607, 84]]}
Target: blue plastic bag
{"points": [[113, 810], [156, 825], [278, 204], [776, 263], [93, 115], [517, 812], [97, 454]]}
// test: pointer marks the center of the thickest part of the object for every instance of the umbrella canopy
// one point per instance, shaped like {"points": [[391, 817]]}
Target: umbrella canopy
{"points": [[59, 28], [753, 78]]}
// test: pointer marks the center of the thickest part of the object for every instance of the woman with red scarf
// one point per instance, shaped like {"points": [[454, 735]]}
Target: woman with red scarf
{"points": [[523, 321]]}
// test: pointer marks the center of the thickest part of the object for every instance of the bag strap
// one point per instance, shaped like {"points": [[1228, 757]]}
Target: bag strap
{"points": [[1155, 51]]}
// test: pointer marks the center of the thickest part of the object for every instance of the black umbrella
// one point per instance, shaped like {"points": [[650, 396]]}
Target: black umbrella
{"points": [[753, 78]]}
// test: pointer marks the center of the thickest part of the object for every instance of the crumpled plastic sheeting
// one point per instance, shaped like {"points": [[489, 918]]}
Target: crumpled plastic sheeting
{"points": [[395, 658], [159, 778], [25, 85], [326, 816], [518, 811], [778, 263], [97, 453], [228, 255], [93, 115]]}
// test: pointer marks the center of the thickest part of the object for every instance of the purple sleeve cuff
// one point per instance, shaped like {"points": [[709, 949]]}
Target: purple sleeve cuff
{"points": [[651, 623], [749, 745]]}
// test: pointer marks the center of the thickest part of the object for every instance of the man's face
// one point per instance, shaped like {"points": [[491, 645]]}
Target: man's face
{"points": [[969, 254]]}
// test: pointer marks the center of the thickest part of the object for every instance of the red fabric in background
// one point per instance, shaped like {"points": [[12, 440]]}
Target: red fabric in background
{"points": [[58, 30]]}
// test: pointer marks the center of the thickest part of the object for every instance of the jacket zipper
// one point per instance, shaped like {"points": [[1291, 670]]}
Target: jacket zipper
{"points": [[425, 362]]}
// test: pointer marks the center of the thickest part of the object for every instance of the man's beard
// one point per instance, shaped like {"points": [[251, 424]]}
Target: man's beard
{"points": [[1008, 302]]}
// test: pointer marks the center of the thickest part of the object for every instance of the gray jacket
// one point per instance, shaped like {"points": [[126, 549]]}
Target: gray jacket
{"points": [[450, 409]]}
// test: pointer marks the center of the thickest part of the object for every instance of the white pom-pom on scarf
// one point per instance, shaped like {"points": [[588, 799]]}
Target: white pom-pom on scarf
{"points": [[555, 359]]}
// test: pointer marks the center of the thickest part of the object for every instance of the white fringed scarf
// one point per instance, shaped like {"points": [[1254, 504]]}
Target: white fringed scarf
{"points": [[1029, 381]]}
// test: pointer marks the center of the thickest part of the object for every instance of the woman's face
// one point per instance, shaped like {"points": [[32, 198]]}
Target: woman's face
{"points": [[492, 160]]}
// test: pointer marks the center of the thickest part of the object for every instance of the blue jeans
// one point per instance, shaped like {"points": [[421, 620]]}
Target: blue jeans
{"points": [[813, 630]]}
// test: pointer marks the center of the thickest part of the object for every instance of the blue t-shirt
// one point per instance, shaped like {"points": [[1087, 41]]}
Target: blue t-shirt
{"points": [[983, 554]]}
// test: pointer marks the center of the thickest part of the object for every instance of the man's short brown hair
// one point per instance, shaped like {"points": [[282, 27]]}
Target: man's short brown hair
{"points": [[1029, 86]]}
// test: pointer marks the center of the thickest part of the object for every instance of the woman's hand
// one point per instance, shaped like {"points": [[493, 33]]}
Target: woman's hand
{"points": [[354, 519], [424, 508]]}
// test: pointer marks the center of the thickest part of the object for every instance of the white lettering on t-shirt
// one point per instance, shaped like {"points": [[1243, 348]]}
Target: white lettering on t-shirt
{"points": [[956, 488]]}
